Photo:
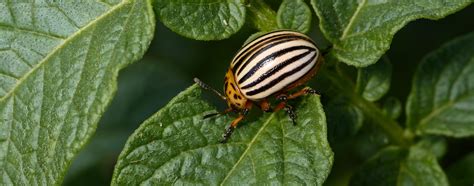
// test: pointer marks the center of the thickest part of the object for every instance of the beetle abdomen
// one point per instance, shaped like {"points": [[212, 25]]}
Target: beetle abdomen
{"points": [[272, 62]]}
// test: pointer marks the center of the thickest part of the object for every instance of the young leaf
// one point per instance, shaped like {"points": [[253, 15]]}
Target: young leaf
{"points": [[253, 37], [441, 100], [373, 82], [462, 172], [178, 146], [344, 120], [59, 63], [369, 140], [202, 19], [435, 144], [398, 166], [262, 16], [392, 107], [361, 31], [295, 15]]}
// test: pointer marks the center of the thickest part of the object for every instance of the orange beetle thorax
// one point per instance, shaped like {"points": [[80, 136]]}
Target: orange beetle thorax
{"points": [[235, 99]]}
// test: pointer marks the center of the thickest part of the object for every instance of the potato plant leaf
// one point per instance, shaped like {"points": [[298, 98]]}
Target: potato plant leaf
{"points": [[344, 120], [373, 82], [392, 107], [294, 15], [398, 166], [177, 146], [58, 67], [441, 100], [361, 31], [462, 171], [437, 145], [202, 19]]}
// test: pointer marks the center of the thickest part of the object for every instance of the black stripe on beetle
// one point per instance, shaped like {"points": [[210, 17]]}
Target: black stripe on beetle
{"points": [[277, 68], [269, 58], [282, 77]]}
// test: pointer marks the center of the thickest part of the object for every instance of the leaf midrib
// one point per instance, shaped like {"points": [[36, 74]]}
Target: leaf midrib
{"points": [[441, 109], [250, 144], [61, 46], [351, 21]]}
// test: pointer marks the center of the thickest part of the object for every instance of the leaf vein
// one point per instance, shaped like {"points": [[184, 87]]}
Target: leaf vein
{"points": [[248, 148], [458, 77], [35, 32], [179, 155], [353, 18], [60, 46], [445, 106], [8, 75], [81, 74], [21, 58]]}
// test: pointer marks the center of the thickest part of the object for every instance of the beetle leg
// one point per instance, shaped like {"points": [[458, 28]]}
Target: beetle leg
{"points": [[283, 98], [233, 125], [288, 108], [291, 112], [302, 92], [265, 105], [230, 128]]}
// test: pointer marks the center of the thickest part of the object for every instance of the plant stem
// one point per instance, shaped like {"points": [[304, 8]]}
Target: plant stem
{"points": [[262, 16], [370, 110]]}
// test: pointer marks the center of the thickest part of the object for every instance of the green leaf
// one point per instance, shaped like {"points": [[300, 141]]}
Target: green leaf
{"points": [[361, 31], [344, 120], [262, 16], [59, 63], [369, 140], [373, 82], [202, 19], [392, 107], [253, 37], [176, 146], [462, 172], [441, 100], [294, 15], [397, 166], [435, 144]]}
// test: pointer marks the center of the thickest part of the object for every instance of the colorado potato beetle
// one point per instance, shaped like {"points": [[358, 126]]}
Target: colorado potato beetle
{"points": [[270, 65]]}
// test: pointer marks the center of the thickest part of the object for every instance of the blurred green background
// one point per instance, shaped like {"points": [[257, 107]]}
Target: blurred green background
{"points": [[173, 61]]}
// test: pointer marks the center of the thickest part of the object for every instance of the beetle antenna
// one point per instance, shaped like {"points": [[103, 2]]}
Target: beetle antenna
{"points": [[207, 87], [218, 113], [211, 115]]}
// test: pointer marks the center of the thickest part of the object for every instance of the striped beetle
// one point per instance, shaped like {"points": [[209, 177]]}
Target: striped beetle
{"points": [[270, 65]]}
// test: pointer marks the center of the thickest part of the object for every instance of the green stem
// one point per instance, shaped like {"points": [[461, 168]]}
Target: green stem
{"points": [[262, 16], [389, 126]]}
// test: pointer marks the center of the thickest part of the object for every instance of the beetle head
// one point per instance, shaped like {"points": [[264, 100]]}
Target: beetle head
{"points": [[235, 99]]}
